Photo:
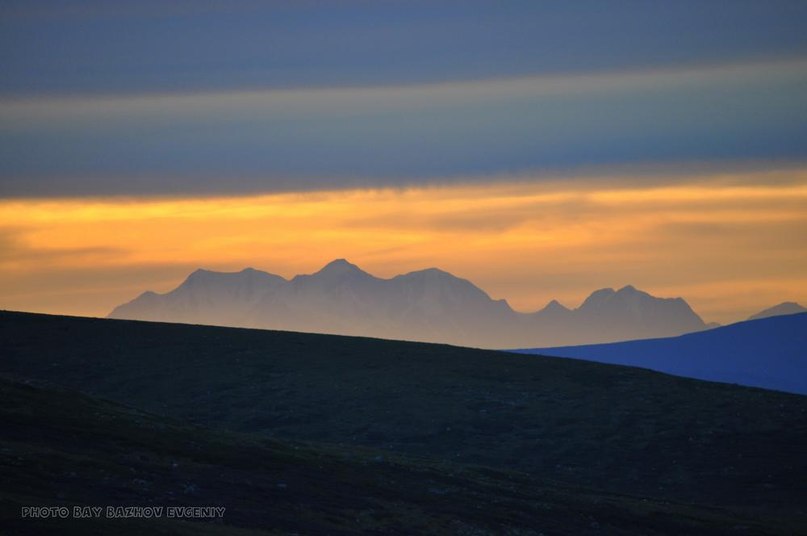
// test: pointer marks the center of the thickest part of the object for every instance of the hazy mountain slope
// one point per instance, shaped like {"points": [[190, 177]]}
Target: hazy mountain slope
{"points": [[769, 353], [207, 297], [427, 305], [609, 315], [784, 308], [88, 452], [617, 428]]}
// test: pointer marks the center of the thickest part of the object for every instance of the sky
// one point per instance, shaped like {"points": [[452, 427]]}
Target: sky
{"points": [[541, 149]]}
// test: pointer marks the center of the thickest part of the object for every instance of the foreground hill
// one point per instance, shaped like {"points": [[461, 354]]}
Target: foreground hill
{"points": [[63, 449], [770, 353], [427, 305], [620, 429]]}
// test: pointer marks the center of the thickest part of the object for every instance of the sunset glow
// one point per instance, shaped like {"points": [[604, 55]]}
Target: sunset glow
{"points": [[727, 243], [541, 151]]}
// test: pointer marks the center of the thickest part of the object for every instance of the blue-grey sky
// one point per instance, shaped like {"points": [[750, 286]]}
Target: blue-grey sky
{"points": [[202, 97]]}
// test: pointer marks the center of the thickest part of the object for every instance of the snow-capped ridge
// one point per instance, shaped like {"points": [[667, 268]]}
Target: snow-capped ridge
{"points": [[424, 305]]}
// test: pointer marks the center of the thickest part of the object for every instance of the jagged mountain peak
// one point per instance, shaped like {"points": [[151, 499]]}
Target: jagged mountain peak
{"points": [[631, 293], [431, 273], [337, 269], [197, 277], [199, 272], [611, 311], [555, 306], [432, 270], [598, 298], [340, 265], [203, 275], [784, 308], [606, 297], [435, 280], [553, 311]]}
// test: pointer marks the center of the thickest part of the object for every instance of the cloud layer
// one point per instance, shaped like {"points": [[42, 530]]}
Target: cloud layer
{"points": [[114, 46], [281, 140]]}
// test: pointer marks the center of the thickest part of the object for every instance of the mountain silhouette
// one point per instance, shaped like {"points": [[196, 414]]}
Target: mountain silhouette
{"points": [[426, 305], [784, 308], [767, 352]]}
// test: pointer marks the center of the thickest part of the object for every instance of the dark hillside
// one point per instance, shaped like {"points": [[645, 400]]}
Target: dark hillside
{"points": [[620, 429], [63, 448]]}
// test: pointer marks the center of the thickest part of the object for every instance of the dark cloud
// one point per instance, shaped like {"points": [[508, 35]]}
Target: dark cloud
{"points": [[157, 105], [122, 46], [225, 143]]}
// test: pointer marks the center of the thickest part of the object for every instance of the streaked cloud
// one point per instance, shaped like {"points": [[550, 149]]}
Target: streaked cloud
{"points": [[524, 241], [264, 141], [112, 46]]}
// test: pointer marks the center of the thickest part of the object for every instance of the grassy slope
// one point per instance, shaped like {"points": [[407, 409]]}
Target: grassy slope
{"points": [[64, 448], [621, 429]]}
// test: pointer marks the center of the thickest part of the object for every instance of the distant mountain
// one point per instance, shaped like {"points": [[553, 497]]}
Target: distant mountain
{"points": [[613, 315], [769, 353], [784, 308], [426, 305]]}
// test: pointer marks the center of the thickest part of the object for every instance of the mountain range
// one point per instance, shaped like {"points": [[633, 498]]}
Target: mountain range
{"points": [[427, 305]]}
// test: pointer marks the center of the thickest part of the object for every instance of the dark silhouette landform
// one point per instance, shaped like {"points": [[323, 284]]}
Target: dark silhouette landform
{"points": [[306, 433], [770, 352]]}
